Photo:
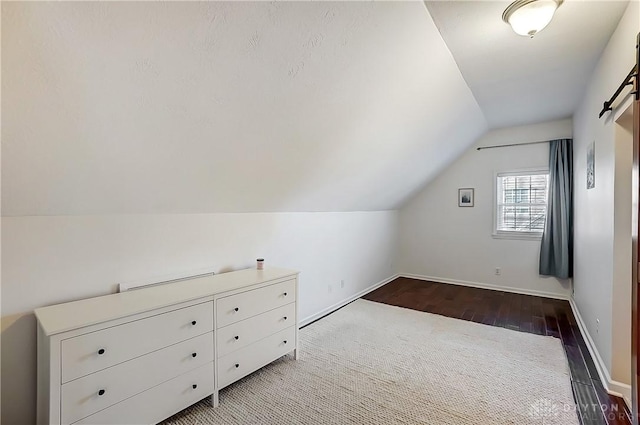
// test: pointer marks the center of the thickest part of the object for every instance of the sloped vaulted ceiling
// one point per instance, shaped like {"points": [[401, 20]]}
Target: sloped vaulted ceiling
{"points": [[130, 107]]}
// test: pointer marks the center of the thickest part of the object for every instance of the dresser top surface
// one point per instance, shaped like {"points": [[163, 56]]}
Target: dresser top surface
{"points": [[78, 314]]}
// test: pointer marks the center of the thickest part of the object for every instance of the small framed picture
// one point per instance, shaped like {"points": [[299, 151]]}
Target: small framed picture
{"points": [[465, 197]]}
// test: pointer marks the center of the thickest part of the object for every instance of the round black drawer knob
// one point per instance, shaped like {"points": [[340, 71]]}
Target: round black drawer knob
{"points": [[101, 351], [194, 386], [236, 309], [101, 392], [285, 294], [237, 365], [285, 341], [285, 317], [194, 354], [193, 323], [236, 337]]}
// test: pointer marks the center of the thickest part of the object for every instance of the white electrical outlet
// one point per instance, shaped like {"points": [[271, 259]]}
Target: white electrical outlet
{"points": [[498, 271]]}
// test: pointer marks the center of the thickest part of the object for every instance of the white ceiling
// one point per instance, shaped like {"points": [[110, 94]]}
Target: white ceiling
{"points": [[517, 80], [174, 107], [198, 107]]}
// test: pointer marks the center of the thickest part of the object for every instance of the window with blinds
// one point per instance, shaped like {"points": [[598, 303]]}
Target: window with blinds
{"points": [[521, 207]]}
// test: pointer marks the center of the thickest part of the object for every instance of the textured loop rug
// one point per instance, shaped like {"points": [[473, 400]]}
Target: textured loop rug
{"points": [[371, 363]]}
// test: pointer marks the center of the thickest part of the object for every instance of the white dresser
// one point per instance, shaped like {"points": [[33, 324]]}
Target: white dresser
{"points": [[138, 357]]}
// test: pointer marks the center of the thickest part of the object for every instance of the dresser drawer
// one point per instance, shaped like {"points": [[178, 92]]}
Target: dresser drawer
{"points": [[159, 402], [241, 306], [98, 350], [89, 394], [248, 331], [252, 357]]}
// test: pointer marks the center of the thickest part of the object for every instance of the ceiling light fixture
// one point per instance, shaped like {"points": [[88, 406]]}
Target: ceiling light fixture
{"points": [[529, 17]]}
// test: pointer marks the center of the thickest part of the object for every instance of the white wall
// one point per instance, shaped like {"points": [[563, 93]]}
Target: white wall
{"points": [[128, 128], [46, 260], [595, 261], [444, 242]]}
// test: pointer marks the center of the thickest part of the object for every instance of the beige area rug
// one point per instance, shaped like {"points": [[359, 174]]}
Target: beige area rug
{"points": [[371, 363]]}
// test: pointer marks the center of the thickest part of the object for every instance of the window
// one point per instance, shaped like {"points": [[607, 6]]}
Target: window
{"points": [[521, 203]]}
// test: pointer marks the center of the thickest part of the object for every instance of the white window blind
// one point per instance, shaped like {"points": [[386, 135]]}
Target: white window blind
{"points": [[521, 206]]}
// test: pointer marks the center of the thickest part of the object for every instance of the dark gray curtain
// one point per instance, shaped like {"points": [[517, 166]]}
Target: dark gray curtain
{"points": [[556, 250]]}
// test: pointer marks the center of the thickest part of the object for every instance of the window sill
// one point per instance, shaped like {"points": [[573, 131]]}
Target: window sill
{"points": [[518, 235]]}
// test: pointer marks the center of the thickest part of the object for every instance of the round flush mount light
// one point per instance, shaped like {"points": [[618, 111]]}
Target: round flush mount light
{"points": [[529, 17]]}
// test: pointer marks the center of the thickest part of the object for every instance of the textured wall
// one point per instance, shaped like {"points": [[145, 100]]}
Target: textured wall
{"points": [[127, 126], [144, 107]]}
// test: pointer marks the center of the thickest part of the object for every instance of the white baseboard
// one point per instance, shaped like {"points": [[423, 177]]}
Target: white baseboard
{"points": [[489, 286], [344, 302], [615, 388]]}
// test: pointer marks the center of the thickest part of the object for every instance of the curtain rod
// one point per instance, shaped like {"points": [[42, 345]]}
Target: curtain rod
{"points": [[512, 144], [628, 81]]}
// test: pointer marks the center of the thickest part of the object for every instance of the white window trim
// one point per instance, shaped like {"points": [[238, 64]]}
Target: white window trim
{"points": [[502, 234]]}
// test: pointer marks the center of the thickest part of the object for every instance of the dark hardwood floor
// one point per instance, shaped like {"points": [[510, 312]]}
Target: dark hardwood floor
{"points": [[524, 313]]}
